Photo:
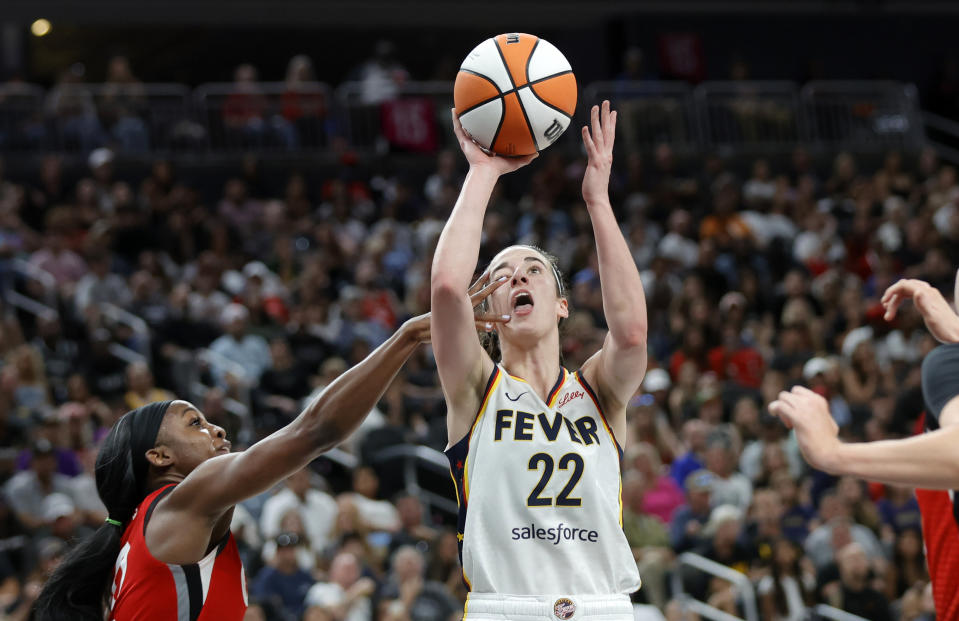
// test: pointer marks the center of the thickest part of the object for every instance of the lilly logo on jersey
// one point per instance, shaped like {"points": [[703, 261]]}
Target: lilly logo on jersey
{"points": [[570, 396], [583, 430]]}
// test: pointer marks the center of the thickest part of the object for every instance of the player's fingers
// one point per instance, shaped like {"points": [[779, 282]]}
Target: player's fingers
{"points": [[805, 393], [891, 305], [595, 126], [607, 117], [788, 398], [457, 126], [478, 296], [588, 143], [491, 318], [479, 282], [611, 130], [484, 326]]}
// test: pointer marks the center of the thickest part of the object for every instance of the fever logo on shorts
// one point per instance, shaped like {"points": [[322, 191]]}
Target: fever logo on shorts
{"points": [[564, 608]]}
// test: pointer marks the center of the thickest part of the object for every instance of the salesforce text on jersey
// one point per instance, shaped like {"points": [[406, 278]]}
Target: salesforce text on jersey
{"points": [[555, 534]]}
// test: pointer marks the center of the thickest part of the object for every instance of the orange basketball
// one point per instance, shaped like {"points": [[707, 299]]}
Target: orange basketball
{"points": [[515, 94]]}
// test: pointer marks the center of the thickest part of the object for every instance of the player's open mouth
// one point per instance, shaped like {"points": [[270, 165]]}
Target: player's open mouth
{"points": [[224, 449], [522, 303]]}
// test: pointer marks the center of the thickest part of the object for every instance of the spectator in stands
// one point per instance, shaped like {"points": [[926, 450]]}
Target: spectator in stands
{"points": [[249, 351], [100, 286], [375, 514], [788, 590], [283, 582], [729, 486], [686, 527], [72, 105], [28, 490], [381, 76], [122, 104], [648, 538], [413, 530], [141, 387], [317, 509], [54, 257], [853, 593], [662, 496], [346, 596], [694, 434], [407, 594], [303, 103], [246, 110]]}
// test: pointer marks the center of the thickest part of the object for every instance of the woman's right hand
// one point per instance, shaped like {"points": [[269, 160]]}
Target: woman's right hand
{"points": [[478, 159]]}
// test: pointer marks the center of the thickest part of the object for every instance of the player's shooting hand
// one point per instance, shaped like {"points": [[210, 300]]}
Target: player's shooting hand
{"points": [[477, 158], [808, 414]]}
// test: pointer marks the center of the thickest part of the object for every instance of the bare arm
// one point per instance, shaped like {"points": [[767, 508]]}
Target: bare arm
{"points": [[940, 318], [928, 460], [621, 363], [460, 359], [219, 483]]}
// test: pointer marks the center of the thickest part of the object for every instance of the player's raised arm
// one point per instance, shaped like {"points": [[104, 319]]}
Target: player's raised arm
{"points": [[940, 318], [619, 368], [462, 363]]}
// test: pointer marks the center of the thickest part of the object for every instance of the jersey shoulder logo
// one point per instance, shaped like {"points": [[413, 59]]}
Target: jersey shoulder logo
{"points": [[516, 398]]}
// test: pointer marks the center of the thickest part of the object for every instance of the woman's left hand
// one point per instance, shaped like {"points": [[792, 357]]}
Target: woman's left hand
{"points": [[599, 149]]}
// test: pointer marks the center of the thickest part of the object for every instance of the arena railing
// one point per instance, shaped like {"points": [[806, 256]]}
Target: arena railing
{"points": [[649, 112], [875, 115], [21, 116], [136, 325], [136, 118], [757, 115], [746, 593], [30, 272], [942, 134], [415, 458], [408, 116], [822, 611], [271, 117]]}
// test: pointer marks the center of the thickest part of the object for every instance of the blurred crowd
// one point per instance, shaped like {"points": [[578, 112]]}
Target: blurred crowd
{"points": [[123, 291]]}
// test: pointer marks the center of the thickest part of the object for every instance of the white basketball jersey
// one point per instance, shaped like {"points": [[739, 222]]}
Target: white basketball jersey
{"points": [[539, 492]]}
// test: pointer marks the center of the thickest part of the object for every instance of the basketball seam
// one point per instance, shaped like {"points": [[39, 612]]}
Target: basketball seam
{"points": [[502, 117], [480, 75], [512, 90], [509, 74], [549, 105], [529, 126], [529, 59]]}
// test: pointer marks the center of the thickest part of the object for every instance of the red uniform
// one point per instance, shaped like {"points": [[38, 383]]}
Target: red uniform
{"points": [[940, 532], [144, 589]]}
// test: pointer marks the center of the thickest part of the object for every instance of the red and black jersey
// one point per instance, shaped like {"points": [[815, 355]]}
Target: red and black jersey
{"points": [[145, 589], [940, 510]]}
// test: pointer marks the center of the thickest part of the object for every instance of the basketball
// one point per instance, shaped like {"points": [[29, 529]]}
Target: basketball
{"points": [[515, 94]]}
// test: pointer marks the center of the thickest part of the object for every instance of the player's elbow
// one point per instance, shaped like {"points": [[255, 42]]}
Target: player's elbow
{"points": [[444, 288], [632, 337]]}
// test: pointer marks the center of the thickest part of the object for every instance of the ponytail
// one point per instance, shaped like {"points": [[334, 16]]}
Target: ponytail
{"points": [[81, 586]]}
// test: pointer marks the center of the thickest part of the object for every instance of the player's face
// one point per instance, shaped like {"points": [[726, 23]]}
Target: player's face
{"points": [[190, 437], [529, 296]]}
